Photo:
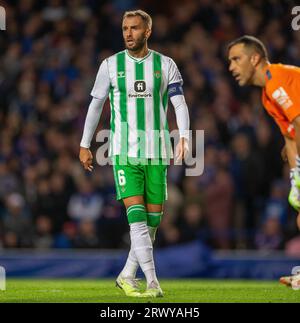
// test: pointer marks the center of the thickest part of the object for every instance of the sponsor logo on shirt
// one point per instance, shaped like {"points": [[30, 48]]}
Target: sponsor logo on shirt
{"points": [[140, 95], [282, 98], [140, 86]]}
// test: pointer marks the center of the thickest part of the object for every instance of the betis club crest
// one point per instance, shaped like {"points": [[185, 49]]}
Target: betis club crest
{"points": [[157, 74]]}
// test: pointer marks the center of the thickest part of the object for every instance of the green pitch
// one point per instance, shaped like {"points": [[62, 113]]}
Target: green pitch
{"points": [[179, 290]]}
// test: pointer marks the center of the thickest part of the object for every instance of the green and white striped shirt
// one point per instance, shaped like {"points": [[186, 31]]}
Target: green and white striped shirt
{"points": [[138, 93]]}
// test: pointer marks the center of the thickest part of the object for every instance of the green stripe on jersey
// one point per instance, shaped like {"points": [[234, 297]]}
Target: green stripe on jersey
{"points": [[121, 75], [112, 111], [112, 118], [140, 109], [157, 75]]}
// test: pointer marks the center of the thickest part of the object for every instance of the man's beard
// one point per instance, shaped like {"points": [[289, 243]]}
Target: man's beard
{"points": [[139, 44]]}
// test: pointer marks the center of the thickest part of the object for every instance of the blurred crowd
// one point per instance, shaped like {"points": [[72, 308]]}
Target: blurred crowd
{"points": [[49, 57]]}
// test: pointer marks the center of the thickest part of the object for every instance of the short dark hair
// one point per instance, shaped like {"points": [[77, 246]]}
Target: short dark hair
{"points": [[251, 42]]}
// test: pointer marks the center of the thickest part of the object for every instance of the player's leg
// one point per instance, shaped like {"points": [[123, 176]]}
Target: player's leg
{"points": [[154, 214], [141, 252], [136, 213], [131, 265], [129, 181], [130, 188], [155, 195]]}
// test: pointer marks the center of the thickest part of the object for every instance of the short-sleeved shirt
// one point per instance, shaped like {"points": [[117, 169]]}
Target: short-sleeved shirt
{"points": [[281, 95]]}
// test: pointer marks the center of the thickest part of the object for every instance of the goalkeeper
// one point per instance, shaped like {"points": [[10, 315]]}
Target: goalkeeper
{"points": [[280, 85]]}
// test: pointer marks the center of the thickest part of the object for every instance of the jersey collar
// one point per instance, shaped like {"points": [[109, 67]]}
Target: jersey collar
{"points": [[139, 60]]}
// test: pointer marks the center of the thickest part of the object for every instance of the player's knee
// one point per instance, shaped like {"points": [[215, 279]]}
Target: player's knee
{"points": [[136, 213]]}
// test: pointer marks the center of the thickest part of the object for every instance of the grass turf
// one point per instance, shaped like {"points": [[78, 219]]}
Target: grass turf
{"points": [[176, 291]]}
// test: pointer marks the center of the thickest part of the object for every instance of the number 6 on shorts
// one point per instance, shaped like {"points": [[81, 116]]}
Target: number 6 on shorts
{"points": [[121, 177]]}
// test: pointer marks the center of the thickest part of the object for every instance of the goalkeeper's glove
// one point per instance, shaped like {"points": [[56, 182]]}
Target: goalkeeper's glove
{"points": [[294, 195], [297, 172]]}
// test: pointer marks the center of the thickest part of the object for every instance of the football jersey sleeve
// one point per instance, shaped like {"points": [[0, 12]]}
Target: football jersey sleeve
{"points": [[102, 82], [285, 90], [174, 74], [175, 80], [286, 128], [285, 99]]}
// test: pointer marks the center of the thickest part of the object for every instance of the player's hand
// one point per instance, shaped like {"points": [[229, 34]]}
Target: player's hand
{"points": [[182, 149], [86, 158], [284, 154], [296, 179]]}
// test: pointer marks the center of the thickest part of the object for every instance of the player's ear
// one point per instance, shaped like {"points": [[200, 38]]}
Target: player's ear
{"points": [[255, 59], [148, 33]]}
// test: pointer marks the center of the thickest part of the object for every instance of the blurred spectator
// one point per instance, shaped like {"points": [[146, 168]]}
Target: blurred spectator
{"points": [[268, 152], [87, 235], [276, 205], [60, 195], [65, 239], [113, 226], [168, 234], [245, 163], [192, 223], [87, 203], [8, 181], [219, 209], [43, 237], [10, 240], [270, 236], [16, 222], [292, 247]]}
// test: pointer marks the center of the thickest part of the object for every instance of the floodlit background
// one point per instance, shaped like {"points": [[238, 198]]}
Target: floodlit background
{"points": [[49, 57]]}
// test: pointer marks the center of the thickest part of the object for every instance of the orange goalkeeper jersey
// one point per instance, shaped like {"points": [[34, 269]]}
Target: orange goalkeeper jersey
{"points": [[281, 95]]}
